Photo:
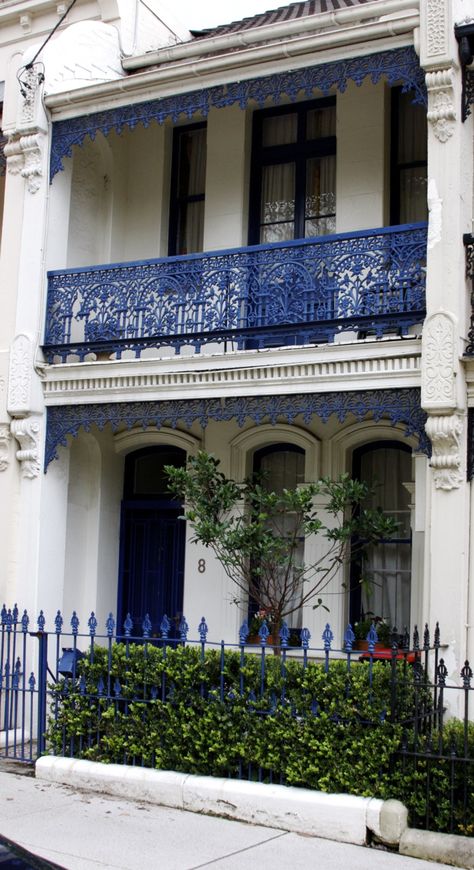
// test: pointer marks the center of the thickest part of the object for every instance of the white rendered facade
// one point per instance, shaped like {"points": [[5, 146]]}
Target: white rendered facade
{"points": [[60, 529]]}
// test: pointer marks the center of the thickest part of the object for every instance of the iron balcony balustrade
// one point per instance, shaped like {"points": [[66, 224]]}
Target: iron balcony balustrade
{"points": [[302, 292]]}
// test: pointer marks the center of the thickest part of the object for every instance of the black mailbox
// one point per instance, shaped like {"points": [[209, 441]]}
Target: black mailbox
{"points": [[67, 664]]}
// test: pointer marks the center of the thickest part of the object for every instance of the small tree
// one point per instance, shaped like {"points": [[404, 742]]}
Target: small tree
{"points": [[246, 527]]}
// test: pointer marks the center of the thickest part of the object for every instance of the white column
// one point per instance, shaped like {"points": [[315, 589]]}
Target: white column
{"points": [[450, 160]]}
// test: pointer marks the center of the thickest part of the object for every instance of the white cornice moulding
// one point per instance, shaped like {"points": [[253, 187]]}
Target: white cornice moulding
{"points": [[391, 364]]}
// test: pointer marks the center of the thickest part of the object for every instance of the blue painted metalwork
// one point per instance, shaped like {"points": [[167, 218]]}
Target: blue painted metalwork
{"points": [[25, 701], [298, 292], [396, 406], [399, 66]]}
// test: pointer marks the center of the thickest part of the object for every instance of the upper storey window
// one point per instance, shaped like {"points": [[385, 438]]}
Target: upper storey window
{"points": [[409, 160], [188, 178], [293, 182]]}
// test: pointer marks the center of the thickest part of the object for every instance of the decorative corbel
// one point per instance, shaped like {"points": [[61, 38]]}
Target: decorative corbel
{"points": [[24, 156], [4, 446], [445, 433], [24, 148], [27, 433], [441, 112]]}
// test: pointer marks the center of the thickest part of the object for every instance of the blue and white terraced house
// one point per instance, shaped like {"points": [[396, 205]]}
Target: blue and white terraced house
{"points": [[251, 239]]}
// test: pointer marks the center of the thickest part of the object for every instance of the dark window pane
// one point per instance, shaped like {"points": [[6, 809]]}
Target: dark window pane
{"points": [[321, 123], [190, 228], [188, 175], [279, 130], [411, 131], [192, 163], [413, 192]]}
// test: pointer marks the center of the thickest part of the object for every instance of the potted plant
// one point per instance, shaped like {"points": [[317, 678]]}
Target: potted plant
{"points": [[361, 630], [261, 616]]}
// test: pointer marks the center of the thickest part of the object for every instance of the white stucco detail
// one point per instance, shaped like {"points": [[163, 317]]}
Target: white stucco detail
{"points": [[85, 53], [27, 433], [4, 446], [445, 436], [439, 355], [441, 111], [20, 376]]}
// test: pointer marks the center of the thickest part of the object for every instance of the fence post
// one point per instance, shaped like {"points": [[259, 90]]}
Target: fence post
{"points": [[42, 688]]}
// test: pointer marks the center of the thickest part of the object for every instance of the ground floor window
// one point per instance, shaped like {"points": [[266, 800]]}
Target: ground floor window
{"points": [[381, 580]]}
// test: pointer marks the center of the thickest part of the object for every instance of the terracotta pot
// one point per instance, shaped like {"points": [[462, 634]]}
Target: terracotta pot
{"points": [[255, 640], [364, 645]]}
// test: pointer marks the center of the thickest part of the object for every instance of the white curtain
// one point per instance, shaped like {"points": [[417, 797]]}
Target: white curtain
{"points": [[387, 568]]}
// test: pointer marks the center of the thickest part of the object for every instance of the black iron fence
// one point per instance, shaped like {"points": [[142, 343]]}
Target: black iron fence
{"points": [[390, 722]]}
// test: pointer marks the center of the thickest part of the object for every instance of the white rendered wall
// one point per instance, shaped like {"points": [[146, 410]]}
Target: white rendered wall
{"points": [[227, 169], [139, 157], [91, 204], [361, 157]]}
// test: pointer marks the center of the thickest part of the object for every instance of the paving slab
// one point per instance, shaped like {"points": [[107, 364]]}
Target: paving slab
{"points": [[82, 831]]}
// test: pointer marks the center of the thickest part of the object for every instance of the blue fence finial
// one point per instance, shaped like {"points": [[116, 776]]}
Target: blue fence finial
{"points": [[349, 638], [203, 629], [128, 625], [74, 622], [110, 625], [165, 627], [243, 633], [92, 623], [183, 628], [284, 635], [327, 637]]}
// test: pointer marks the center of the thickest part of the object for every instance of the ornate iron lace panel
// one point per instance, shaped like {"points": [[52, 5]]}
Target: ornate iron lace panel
{"points": [[299, 292], [468, 241], [397, 406], [470, 443], [400, 65]]}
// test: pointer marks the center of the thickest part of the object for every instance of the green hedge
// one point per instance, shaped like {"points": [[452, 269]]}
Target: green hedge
{"points": [[345, 743]]}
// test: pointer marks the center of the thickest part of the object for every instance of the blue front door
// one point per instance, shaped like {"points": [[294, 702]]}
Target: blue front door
{"points": [[152, 543]]}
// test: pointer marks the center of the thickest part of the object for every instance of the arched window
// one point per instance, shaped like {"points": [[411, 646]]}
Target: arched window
{"points": [[381, 581]]}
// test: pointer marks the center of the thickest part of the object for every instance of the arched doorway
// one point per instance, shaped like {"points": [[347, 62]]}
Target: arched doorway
{"points": [[152, 541], [381, 582]]}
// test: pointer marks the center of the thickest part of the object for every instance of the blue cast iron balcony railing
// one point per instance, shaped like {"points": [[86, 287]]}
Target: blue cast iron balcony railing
{"points": [[302, 292]]}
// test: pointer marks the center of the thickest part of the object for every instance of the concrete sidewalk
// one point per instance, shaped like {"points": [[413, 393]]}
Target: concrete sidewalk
{"points": [[81, 830]]}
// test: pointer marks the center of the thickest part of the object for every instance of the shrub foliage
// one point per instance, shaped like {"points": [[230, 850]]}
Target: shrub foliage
{"points": [[211, 713]]}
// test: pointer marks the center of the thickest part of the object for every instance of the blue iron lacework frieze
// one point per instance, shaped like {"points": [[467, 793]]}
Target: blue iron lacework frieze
{"points": [[400, 65], [397, 406]]}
